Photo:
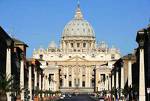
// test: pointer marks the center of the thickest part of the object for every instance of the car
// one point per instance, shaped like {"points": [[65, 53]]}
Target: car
{"points": [[67, 96], [62, 96], [101, 99]]}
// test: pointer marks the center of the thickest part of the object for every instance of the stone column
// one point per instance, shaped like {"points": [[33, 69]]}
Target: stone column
{"points": [[63, 45], [113, 80], [8, 69], [67, 77], [100, 82], [86, 77], [64, 78], [40, 81], [117, 81], [142, 77], [91, 45], [30, 82], [43, 85], [80, 76], [67, 46], [141, 40], [46, 82], [35, 77], [122, 78], [109, 82], [54, 82], [22, 77], [57, 80], [106, 82], [89, 77], [129, 72], [73, 77], [97, 80], [8, 62]]}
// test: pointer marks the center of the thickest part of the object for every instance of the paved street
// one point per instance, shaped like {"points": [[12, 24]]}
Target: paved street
{"points": [[78, 98]]}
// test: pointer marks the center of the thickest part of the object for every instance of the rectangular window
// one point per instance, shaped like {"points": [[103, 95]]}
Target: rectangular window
{"points": [[102, 77], [61, 82], [93, 82], [83, 83], [72, 45], [70, 83], [84, 44], [78, 44], [113, 56], [41, 57]]}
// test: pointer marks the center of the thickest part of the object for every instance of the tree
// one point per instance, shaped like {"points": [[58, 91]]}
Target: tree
{"points": [[6, 85]]}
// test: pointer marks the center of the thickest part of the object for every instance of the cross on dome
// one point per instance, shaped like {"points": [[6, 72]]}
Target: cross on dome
{"points": [[78, 14]]}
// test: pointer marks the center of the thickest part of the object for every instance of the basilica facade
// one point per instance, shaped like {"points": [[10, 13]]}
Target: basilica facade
{"points": [[79, 64]]}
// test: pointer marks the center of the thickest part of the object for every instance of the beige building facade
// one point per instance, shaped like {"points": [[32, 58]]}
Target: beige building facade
{"points": [[79, 64]]}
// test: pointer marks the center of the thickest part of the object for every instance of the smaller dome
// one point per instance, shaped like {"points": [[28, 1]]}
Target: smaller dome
{"points": [[52, 44], [41, 49]]}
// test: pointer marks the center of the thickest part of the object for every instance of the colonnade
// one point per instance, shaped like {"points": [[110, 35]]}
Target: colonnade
{"points": [[76, 75], [118, 75]]}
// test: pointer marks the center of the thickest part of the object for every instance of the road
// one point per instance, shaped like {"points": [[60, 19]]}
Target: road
{"points": [[78, 98]]}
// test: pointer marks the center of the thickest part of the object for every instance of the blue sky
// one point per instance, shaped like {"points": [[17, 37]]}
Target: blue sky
{"points": [[37, 22]]}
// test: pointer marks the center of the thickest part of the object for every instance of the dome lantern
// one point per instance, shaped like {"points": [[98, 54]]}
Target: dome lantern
{"points": [[78, 14]]}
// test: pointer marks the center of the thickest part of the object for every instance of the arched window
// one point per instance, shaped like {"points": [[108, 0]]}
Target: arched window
{"points": [[72, 45], [83, 30], [84, 44], [41, 56], [78, 44], [112, 56]]}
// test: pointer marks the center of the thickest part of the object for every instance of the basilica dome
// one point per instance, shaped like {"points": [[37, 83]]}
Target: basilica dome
{"points": [[78, 26]]}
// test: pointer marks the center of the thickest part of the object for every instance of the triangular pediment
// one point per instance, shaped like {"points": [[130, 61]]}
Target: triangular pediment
{"points": [[76, 58]]}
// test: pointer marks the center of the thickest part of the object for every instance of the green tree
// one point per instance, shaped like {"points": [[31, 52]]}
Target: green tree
{"points": [[6, 85]]}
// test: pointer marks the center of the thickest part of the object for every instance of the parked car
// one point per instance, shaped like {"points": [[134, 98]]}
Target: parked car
{"points": [[67, 96], [101, 99], [62, 96]]}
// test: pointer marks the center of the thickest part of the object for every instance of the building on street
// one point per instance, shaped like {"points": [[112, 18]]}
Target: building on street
{"points": [[77, 64], [130, 74]]}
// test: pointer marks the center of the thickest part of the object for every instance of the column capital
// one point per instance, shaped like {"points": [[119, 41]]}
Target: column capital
{"points": [[130, 56], [121, 64], [117, 69], [140, 38], [21, 55], [112, 72], [30, 63], [9, 43], [148, 34]]}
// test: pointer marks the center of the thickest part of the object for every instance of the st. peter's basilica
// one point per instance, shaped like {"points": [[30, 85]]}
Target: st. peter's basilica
{"points": [[80, 64]]}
